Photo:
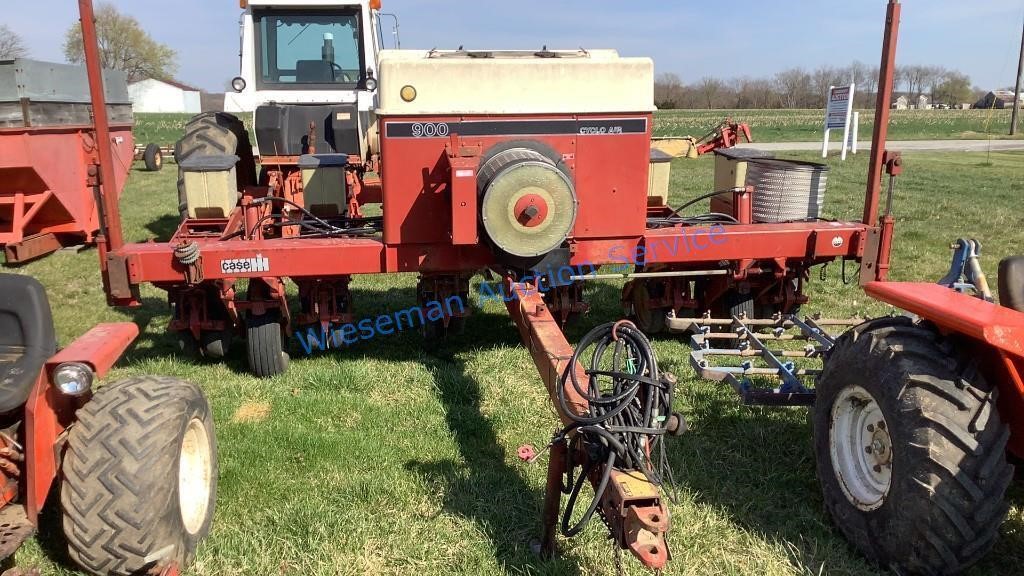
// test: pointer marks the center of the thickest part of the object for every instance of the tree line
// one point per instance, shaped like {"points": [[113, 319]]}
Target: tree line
{"points": [[801, 88]]}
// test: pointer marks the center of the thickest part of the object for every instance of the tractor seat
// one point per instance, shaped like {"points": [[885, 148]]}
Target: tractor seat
{"points": [[27, 338], [1011, 283], [314, 71]]}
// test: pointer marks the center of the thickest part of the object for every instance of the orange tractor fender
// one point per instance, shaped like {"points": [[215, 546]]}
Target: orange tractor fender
{"points": [[997, 333], [49, 413]]}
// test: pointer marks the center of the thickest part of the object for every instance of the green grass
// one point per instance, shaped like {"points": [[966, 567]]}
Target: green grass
{"points": [[765, 125], [388, 459], [808, 125]]}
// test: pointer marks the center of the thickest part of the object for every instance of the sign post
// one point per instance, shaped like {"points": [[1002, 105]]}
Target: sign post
{"points": [[838, 114]]}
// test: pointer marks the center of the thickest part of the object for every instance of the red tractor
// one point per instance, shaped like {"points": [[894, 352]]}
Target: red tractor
{"points": [[916, 415], [135, 461]]}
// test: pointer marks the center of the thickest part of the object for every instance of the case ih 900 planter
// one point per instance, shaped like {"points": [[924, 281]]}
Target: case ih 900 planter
{"points": [[521, 162]]}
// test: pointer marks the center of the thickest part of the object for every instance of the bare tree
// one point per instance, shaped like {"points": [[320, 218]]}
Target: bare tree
{"points": [[914, 78], [935, 76], [795, 89], [710, 88], [668, 91], [11, 45], [823, 78], [124, 45]]}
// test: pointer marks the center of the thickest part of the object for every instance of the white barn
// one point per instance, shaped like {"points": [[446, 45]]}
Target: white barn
{"points": [[154, 95]]}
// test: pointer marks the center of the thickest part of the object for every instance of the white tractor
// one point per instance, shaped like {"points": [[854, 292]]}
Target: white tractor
{"points": [[308, 82], [306, 61]]}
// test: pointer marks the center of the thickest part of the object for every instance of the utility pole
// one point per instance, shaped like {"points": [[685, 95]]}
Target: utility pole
{"points": [[1016, 92]]}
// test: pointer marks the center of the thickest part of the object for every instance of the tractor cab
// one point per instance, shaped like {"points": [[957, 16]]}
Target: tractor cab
{"points": [[308, 74]]}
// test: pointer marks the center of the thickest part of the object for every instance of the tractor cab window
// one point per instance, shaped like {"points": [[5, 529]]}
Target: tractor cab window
{"points": [[304, 49]]}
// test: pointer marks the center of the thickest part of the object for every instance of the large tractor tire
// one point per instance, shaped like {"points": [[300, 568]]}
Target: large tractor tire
{"points": [[139, 476], [215, 134], [910, 449]]}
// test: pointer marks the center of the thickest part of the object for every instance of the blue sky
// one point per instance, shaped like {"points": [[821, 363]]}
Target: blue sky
{"points": [[727, 39]]}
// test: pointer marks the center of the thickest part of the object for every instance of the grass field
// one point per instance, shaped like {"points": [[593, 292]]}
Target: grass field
{"points": [[766, 125], [389, 459], [807, 125]]}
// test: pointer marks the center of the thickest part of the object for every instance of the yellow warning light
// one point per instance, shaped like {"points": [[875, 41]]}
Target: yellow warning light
{"points": [[408, 93]]}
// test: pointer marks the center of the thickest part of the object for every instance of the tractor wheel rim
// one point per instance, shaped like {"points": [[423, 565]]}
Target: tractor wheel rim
{"points": [[195, 474], [861, 448], [159, 160]]}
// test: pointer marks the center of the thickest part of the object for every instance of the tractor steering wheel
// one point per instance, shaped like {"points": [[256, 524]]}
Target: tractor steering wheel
{"points": [[340, 72]]}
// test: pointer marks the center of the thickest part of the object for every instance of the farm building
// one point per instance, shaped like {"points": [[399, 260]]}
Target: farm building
{"points": [[901, 103], [154, 95], [997, 99]]}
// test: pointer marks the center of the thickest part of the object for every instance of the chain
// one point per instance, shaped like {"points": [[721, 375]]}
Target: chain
{"points": [[618, 560]]}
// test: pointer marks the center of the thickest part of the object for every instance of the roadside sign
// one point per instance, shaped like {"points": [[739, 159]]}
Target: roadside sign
{"points": [[838, 114]]}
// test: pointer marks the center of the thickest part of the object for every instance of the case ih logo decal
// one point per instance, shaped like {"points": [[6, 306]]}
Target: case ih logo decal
{"points": [[598, 127], [245, 265]]}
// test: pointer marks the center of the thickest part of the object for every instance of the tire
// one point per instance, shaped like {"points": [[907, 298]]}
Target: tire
{"points": [[649, 321], [124, 476], [739, 305], [154, 158], [215, 134], [930, 495], [266, 356]]}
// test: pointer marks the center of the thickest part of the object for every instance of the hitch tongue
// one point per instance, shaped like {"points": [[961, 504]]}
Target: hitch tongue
{"points": [[645, 534], [637, 517]]}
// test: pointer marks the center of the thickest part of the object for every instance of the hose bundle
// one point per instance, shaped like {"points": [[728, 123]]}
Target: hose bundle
{"points": [[629, 412]]}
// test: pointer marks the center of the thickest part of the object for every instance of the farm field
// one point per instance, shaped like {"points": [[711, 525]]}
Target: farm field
{"points": [[808, 125], [766, 125], [387, 458]]}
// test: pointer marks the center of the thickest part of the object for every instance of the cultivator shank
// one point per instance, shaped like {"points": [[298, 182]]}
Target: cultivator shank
{"points": [[761, 351]]}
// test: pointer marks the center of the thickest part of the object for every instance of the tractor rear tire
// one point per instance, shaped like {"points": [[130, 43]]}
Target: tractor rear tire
{"points": [[215, 134], [267, 357], [139, 476], [153, 157], [910, 449]]}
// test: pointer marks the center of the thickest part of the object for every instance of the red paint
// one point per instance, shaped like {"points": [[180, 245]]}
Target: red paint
{"points": [[48, 412], [531, 210], [996, 326], [45, 183], [886, 81], [100, 347]]}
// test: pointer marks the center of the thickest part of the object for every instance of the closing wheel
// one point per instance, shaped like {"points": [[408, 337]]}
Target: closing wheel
{"points": [[266, 356], [910, 448], [648, 320], [139, 476], [153, 157]]}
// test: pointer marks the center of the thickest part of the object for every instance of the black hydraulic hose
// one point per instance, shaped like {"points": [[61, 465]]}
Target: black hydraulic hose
{"points": [[629, 406]]}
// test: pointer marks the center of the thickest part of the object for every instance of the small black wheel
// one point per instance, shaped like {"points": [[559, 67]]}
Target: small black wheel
{"points": [[266, 356], [215, 344], [649, 320], [153, 157], [910, 448], [739, 304], [139, 476]]}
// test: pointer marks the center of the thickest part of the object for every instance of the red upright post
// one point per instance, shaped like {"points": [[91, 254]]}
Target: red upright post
{"points": [[886, 73], [112, 238]]}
